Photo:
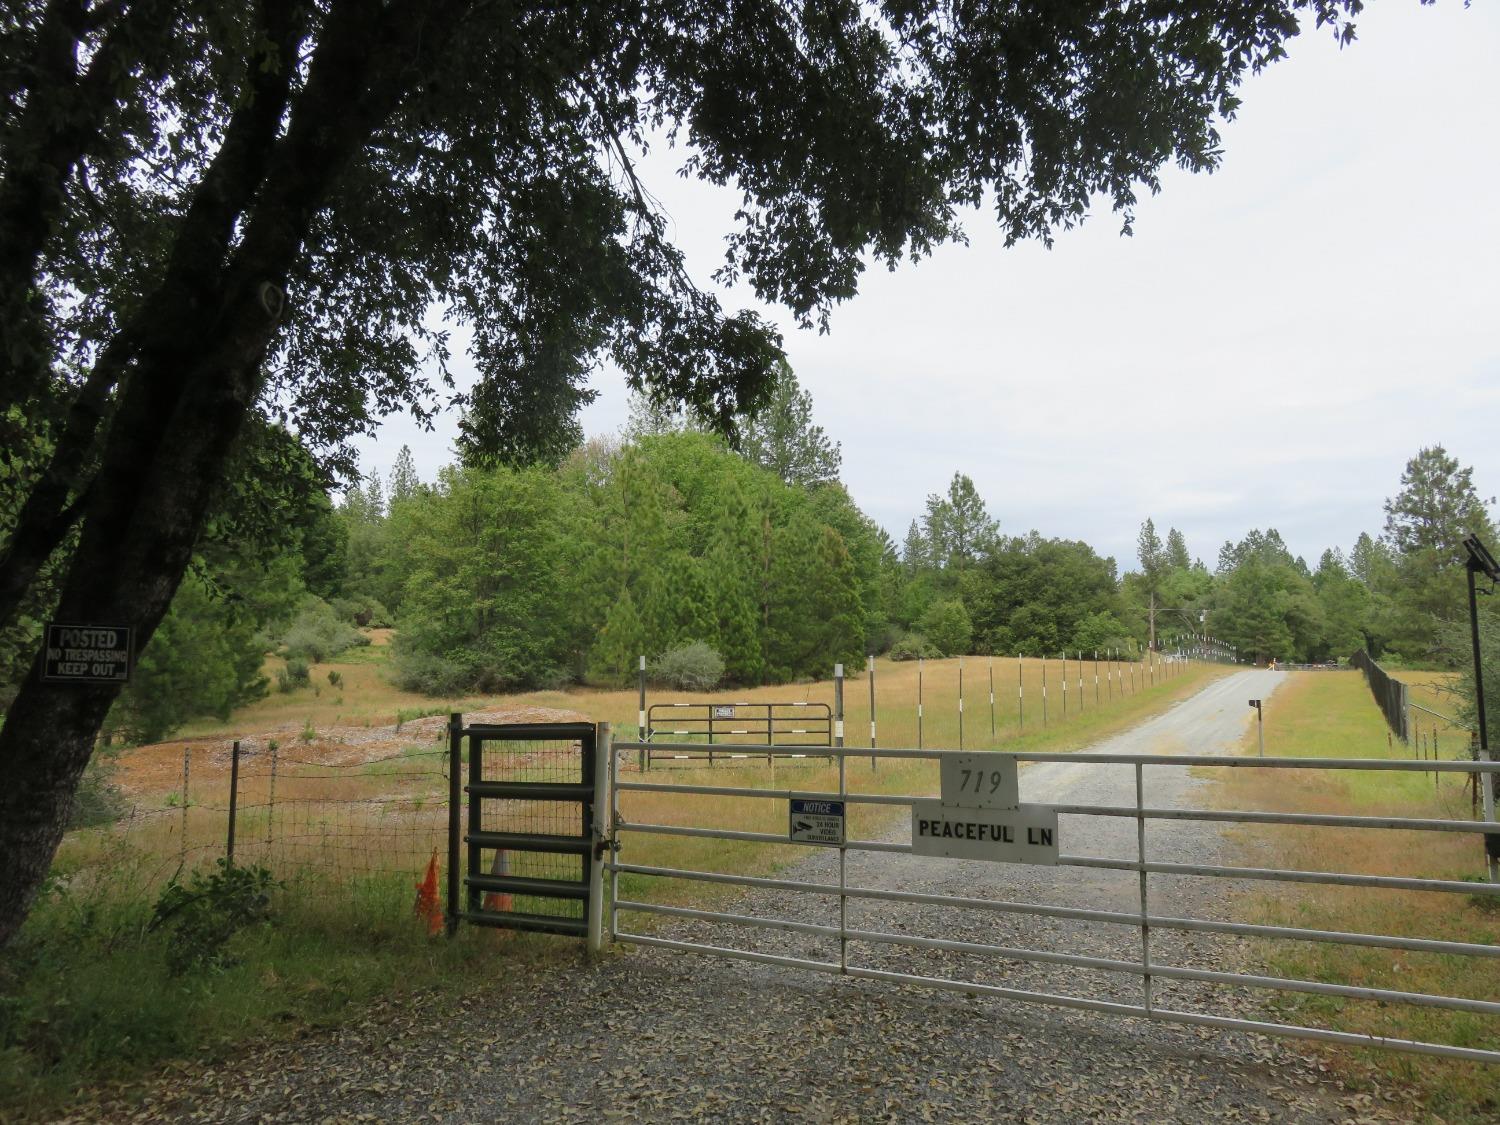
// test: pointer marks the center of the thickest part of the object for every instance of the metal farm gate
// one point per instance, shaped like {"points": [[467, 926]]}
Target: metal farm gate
{"points": [[782, 730], [813, 922]]}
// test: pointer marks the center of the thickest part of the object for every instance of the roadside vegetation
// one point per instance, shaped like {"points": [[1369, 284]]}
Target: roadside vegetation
{"points": [[1332, 715]]}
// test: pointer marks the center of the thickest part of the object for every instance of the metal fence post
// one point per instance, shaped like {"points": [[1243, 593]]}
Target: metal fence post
{"points": [[919, 703], [271, 799], [455, 801], [641, 759], [838, 707], [182, 851], [1044, 691], [960, 702], [1020, 695], [871, 665], [603, 755], [993, 735], [1065, 684], [234, 798]]}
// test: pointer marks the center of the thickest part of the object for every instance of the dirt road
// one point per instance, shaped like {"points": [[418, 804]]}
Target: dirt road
{"points": [[653, 1035]]}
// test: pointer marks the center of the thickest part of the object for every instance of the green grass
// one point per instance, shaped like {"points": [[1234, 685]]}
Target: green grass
{"points": [[86, 999], [1333, 715]]}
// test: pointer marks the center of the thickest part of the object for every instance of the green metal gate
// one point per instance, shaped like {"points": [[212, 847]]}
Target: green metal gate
{"points": [[522, 810]]}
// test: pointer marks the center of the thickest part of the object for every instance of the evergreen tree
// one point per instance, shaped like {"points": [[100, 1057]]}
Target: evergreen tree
{"points": [[621, 642], [1436, 508], [781, 436], [957, 527], [1177, 552], [731, 576], [405, 484]]}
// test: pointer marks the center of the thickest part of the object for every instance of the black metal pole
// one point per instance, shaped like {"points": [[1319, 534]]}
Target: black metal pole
{"points": [[455, 799], [1484, 733], [234, 798], [1491, 841]]}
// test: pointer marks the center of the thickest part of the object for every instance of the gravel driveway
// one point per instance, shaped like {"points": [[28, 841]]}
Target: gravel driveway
{"points": [[660, 1036]]}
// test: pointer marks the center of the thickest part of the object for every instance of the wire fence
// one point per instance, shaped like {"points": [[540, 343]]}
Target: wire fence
{"points": [[971, 702], [334, 809], [349, 809], [1389, 693]]}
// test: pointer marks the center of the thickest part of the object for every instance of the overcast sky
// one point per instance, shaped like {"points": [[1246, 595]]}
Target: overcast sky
{"points": [[1267, 351]]}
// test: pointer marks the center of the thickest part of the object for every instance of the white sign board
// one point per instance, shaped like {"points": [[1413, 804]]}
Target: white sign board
{"points": [[980, 781], [1027, 834], [816, 822]]}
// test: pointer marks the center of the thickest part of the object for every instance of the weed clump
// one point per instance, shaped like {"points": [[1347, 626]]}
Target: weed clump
{"points": [[209, 910]]}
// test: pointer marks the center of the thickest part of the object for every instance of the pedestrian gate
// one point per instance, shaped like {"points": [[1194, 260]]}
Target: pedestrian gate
{"points": [[522, 810]]}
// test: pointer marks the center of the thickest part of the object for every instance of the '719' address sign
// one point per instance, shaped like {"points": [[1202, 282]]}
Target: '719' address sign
{"points": [[88, 654]]}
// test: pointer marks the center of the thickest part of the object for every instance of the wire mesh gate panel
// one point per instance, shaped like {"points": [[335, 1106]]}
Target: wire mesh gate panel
{"points": [[524, 820], [851, 909]]}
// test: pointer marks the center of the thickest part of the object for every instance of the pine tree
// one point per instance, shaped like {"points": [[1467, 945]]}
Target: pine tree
{"points": [[1436, 507], [620, 644], [781, 436], [1177, 552], [405, 484], [730, 568]]}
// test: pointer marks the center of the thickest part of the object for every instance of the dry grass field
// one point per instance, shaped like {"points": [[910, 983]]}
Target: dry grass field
{"points": [[1333, 715]]}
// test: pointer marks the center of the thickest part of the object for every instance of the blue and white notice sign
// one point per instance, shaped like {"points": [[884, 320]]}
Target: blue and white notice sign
{"points": [[817, 822]]}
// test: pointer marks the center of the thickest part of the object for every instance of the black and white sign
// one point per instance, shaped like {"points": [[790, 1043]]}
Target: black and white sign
{"points": [[88, 654], [817, 822], [724, 710], [1027, 834]]}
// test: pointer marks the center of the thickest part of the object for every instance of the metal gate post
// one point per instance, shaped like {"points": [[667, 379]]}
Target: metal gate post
{"points": [[602, 829], [870, 664], [641, 760], [455, 800]]}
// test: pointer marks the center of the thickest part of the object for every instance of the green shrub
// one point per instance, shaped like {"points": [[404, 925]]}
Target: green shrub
{"points": [[913, 646], [203, 915], [335, 677], [296, 674], [947, 627], [318, 635], [364, 611], [428, 673], [692, 667]]}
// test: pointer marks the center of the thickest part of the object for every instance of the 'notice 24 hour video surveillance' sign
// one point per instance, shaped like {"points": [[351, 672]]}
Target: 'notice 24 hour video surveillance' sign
{"points": [[980, 816]]}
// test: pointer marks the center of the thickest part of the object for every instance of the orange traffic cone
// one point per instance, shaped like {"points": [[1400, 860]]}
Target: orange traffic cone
{"points": [[427, 905]]}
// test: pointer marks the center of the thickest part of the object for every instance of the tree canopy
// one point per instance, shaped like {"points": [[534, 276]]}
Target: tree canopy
{"points": [[213, 213]]}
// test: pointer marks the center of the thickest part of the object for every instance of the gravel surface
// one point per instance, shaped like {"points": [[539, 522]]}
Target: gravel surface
{"points": [[656, 1035]]}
